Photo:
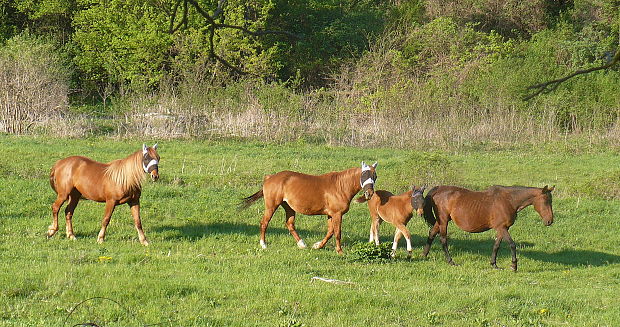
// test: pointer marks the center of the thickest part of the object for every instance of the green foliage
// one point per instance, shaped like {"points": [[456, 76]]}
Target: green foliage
{"points": [[368, 251], [121, 42]]}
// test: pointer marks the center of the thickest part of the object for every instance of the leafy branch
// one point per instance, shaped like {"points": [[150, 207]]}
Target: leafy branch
{"points": [[550, 86], [182, 7]]}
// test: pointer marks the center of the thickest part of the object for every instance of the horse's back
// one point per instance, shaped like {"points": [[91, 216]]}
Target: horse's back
{"points": [[71, 172]]}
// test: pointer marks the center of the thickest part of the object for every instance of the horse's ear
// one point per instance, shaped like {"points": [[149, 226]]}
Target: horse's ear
{"points": [[155, 146], [364, 166], [144, 148], [423, 189], [374, 165], [546, 189]]}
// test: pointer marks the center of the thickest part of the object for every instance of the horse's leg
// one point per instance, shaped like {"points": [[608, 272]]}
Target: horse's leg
{"points": [[53, 228], [403, 229], [498, 240], [109, 209], [74, 198], [375, 222], [338, 230], [330, 231], [377, 225], [135, 212], [513, 248], [397, 235], [290, 224], [431, 237], [268, 213], [443, 237]]}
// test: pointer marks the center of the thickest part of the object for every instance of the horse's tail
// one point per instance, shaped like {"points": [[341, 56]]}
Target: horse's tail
{"points": [[53, 178], [361, 199], [247, 202], [429, 203]]}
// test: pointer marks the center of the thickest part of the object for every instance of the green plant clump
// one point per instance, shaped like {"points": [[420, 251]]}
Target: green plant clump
{"points": [[365, 252]]}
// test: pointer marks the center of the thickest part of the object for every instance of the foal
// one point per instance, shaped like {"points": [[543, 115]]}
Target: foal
{"points": [[328, 194], [114, 183], [395, 209]]}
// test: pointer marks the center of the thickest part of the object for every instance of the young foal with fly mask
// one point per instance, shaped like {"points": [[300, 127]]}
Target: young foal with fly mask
{"points": [[328, 194], [475, 212], [395, 209], [114, 183]]}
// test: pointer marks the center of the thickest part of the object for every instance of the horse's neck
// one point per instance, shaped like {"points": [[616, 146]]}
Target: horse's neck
{"points": [[349, 181], [522, 198]]}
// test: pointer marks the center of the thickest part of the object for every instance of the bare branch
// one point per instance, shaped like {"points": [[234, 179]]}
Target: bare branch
{"points": [[550, 86], [258, 32]]}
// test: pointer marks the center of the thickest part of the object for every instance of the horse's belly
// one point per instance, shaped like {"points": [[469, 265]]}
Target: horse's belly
{"points": [[471, 226], [306, 209]]}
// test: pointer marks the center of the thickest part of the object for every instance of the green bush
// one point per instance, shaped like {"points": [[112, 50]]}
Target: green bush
{"points": [[367, 251]]}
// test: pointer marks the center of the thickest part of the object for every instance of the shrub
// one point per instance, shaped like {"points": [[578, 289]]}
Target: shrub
{"points": [[365, 251], [34, 83]]}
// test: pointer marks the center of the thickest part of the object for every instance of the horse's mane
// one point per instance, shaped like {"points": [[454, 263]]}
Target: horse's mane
{"points": [[128, 172]]}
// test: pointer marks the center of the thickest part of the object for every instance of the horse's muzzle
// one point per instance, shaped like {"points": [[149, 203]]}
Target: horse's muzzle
{"points": [[548, 222], [154, 175], [368, 193], [420, 211]]}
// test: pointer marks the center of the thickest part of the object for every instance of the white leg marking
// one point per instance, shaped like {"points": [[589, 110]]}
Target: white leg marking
{"points": [[263, 244], [408, 244], [316, 245], [301, 244], [372, 236]]}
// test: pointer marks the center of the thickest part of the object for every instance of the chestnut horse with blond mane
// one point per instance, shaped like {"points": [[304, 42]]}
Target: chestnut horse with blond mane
{"points": [[328, 194], [114, 183], [495, 208]]}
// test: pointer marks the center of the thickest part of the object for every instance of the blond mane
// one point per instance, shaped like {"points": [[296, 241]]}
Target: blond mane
{"points": [[128, 172]]}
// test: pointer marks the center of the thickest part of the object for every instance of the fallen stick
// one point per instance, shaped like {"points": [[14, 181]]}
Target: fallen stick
{"points": [[333, 281]]}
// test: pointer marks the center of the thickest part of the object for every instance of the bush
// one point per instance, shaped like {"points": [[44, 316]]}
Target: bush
{"points": [[34, 83], [365, 251]]}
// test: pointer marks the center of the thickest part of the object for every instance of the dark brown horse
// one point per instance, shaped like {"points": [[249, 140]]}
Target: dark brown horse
{"points": [[114, 183], [396, 210], [329, 194], [474, 212]]}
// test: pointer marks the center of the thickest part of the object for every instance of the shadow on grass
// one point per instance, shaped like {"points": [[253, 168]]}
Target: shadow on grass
{"points": [[573, 257], [195, 231]]}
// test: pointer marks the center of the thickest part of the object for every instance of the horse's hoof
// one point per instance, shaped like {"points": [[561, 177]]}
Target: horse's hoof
{"points": [[316, 245], [301, 244], [452, 263], [72, 237], [409, 255], [100, 240], [145, 243], [393, 254], [339, 251], [263, 244]]}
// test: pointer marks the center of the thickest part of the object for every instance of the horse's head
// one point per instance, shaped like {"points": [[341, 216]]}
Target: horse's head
{"points": [[150, 161], [368, 179], [542, 205], [417, 199]]}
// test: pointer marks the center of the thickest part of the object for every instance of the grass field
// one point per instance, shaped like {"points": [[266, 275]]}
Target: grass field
{"points": [[204, 266]]}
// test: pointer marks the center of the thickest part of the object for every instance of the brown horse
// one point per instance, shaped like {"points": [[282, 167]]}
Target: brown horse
{"points": [[474, 212], [395, 209], [329, 194], [114, 183]]}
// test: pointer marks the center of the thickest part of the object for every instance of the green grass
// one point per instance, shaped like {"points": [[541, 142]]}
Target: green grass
{"points": [[204, 266]]}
